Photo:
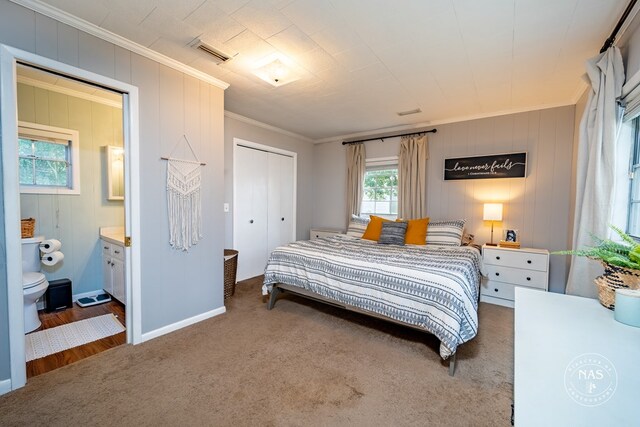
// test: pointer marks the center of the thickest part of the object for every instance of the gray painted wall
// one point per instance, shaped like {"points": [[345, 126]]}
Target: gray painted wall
{"points": [[80, 216], [175, 285], [234, 128], [538, 206], [629, 45]]}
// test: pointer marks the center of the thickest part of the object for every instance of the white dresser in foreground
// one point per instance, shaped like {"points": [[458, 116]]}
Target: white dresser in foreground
{"points": [[508, 269], [319, 233], [575, 365]]}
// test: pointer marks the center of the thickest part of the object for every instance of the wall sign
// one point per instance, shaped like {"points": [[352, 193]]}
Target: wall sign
{"points": [[511, 165]]}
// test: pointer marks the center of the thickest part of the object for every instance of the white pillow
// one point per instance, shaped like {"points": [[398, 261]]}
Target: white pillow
{"points": [[445, 233], [357, 226]]}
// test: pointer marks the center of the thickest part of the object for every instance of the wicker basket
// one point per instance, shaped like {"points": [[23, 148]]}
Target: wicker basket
{"points": [[230, 269], [615, 277], [27, 226]]}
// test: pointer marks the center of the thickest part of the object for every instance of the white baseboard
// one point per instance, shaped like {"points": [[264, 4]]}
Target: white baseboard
{"points": [[496, 301], [183, 323], [76, 297], [5, 386]]}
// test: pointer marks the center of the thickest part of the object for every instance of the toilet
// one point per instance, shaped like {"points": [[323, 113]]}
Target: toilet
{"points": [[34, 284]]}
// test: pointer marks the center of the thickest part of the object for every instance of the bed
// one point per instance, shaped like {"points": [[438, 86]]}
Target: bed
{"points": [[431, 288]]}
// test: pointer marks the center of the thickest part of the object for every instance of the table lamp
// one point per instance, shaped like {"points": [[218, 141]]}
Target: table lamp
{"points": [[492, 212]]}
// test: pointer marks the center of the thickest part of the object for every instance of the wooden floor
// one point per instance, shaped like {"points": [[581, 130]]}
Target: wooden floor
{"points": [[51, 320]]}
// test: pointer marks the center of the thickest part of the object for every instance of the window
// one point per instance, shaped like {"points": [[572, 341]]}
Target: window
{"points": [[48, 159], [633, 220], [381, 188]]}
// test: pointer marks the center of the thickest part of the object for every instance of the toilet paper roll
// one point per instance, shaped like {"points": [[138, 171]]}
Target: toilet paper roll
{"points": [[53, 258], [51, 245]]}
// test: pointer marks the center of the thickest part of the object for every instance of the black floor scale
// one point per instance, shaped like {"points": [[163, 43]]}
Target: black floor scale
{"points": [[93, 300]]}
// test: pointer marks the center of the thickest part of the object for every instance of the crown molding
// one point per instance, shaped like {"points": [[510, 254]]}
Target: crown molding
{"points": [[266, 126], [434, 123], [582, 88], [94, 30], [68, 91]]}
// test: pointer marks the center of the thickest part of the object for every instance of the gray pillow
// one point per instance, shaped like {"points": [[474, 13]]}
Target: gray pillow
{"points": [[393, 233], [357, 226], [445, 233]]}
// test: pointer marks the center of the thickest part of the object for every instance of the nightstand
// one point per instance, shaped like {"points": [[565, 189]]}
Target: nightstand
{"points": [[319, 233], [508, 269]]}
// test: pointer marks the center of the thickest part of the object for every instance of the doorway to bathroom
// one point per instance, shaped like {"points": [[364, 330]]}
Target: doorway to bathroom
{"points": [[71, 176], [82, 194]]}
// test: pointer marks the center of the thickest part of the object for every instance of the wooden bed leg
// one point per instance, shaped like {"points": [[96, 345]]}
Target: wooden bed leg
{"points": [[452, 364], [274, 295]]}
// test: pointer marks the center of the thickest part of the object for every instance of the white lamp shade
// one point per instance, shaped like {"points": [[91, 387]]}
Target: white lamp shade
{"points": [[492, 212]]}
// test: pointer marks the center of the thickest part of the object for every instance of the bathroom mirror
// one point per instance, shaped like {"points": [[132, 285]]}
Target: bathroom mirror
{"points": [[115, 172]]}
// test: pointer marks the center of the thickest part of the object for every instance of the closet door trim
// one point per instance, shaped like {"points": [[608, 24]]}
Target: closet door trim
{"points": [[254, 145]]}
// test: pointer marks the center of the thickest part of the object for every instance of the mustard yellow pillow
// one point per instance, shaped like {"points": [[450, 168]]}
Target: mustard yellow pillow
{"points": [[416, 232], [374, 228]]}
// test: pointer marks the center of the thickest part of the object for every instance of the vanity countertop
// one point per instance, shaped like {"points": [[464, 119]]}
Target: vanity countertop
{"points": [[113, 235]]}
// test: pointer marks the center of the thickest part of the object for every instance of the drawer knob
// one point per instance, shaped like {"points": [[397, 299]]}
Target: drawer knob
{"points": [[497, 274], [497, 257], [528, 261], [496, 289], [529, 278], [250, 221], [282, 219]]}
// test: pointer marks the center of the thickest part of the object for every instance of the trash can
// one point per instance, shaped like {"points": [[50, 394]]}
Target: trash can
{"points": [[58, 295], [230, 269]]}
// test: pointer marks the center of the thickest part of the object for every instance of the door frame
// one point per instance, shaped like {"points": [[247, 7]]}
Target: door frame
{"points": [[254, 145], [9, 56]]}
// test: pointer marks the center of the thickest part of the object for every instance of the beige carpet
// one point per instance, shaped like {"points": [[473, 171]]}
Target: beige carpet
{"points": [[302, 363]]}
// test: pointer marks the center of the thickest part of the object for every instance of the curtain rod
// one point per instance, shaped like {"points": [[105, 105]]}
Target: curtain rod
{"points": [[612, 38], [388, 136]]}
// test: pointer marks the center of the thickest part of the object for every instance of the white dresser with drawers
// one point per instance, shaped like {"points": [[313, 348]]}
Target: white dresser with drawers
{"points": [[508, 269], [319, 233]]}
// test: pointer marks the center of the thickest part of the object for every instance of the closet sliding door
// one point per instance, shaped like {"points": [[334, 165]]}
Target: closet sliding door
{"points": [[280, 195], [264, 218], [251, 211]]}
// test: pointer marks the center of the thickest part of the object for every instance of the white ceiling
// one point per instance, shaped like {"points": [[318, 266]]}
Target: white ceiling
{"points": [[366, 60]]}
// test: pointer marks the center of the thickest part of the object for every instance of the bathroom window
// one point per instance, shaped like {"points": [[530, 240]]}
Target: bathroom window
{"points": [[49, 160]]}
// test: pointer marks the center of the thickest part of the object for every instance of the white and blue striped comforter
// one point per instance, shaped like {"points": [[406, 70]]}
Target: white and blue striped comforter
{"points": [[432, 287]]}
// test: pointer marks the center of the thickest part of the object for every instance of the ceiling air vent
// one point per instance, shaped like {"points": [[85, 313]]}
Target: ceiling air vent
{"points": [[218, 56]]}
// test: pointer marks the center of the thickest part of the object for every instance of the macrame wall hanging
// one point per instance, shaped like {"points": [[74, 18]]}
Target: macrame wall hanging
{"points": [[183, 200]]}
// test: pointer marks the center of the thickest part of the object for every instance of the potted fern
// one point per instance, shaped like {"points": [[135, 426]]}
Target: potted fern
{"points": [[621, 261]]}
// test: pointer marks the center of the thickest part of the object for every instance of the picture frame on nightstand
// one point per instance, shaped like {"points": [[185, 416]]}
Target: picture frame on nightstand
{"points": [[510, 239], [510, 235]]}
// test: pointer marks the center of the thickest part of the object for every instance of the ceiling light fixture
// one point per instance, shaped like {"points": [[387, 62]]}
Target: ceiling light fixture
{"points": [[277, 70], [406, 113]]}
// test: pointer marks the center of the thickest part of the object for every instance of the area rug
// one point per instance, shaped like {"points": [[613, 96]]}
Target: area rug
{"points": [[43, 343]]}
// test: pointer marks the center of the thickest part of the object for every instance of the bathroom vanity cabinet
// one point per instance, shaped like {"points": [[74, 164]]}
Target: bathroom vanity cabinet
{"points": [[113, 269]]}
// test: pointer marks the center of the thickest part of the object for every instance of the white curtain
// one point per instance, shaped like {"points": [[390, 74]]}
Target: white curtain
{"points": [[598, 166], [412, 177], [356, 166]]}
